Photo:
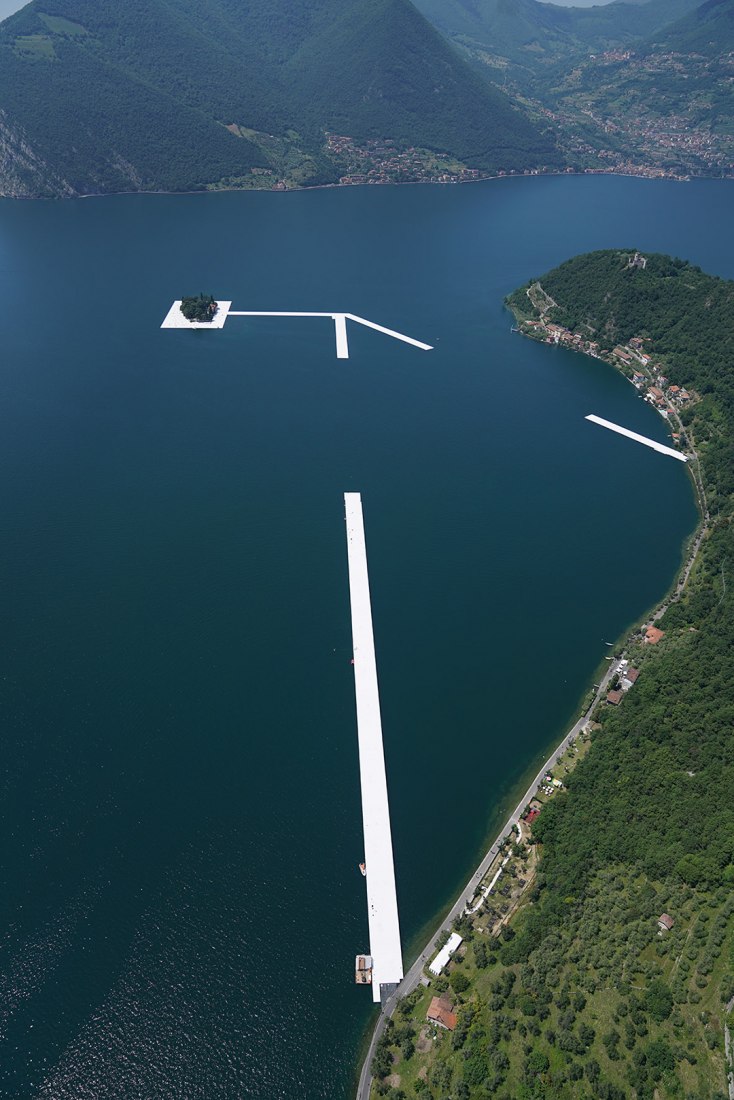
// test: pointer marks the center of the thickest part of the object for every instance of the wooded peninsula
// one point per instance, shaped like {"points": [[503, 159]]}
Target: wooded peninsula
{"points": [[601, 963]]}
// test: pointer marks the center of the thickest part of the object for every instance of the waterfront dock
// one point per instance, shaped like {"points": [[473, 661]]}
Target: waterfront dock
{"points": [[382, 902]]}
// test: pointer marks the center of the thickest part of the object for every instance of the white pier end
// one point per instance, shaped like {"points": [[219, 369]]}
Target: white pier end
{"points": [[653, 443], [342, 344], [382, 902]]}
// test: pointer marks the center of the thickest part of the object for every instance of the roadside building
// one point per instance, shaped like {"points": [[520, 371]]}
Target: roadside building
{"points": [[657, 395], [665, 923], [445, 953], [615, 698], [629, 678], [653, 634], [440, 1011]]}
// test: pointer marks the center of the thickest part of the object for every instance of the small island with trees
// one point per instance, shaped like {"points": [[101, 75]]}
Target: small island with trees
{"points": [[200, 308]]}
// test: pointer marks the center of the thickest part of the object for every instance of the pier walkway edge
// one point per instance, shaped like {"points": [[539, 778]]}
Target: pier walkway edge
{"points": [[382, 902]]}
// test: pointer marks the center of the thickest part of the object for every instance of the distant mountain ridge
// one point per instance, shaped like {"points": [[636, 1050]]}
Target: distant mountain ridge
{"points": [[178, 95], [709, 31], [537, 36]]}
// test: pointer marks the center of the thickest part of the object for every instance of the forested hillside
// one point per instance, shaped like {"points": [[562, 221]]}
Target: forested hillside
{"points": [[584, 995], [177, 94]]}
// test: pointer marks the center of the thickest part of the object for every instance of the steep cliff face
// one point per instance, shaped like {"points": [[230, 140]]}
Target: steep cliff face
{"points": [[23, 173]]}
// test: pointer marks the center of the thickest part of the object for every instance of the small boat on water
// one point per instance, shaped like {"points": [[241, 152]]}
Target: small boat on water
{"points": [[363, 869]]}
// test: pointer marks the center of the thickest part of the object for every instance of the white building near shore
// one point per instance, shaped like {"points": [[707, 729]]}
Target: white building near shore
{"points": [[445, 953]]}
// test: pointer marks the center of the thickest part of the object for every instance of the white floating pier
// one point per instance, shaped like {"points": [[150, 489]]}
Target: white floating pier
{"points": [[175, 319], [390, 332], [660, 447], [342, 346], [382, 902]]}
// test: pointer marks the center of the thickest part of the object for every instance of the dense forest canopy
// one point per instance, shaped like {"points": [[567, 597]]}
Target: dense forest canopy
{"points": [[201, 307]]}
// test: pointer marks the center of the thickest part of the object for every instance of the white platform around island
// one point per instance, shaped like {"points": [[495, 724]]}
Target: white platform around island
{"points": [[175, 318]]}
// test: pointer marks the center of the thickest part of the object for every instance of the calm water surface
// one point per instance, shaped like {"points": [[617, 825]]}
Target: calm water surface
{"points": [[180, 904]]}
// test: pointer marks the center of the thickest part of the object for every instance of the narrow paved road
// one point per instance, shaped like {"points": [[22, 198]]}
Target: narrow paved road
{"points": [[412, 978]]}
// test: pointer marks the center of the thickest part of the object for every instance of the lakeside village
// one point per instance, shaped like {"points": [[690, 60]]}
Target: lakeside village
{"points": [[381, 161], [633, 358]]}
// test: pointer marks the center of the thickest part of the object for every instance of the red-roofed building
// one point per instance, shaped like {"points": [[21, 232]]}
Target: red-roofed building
{"points": [[653, 634], [440, 1011], [615, 698]]}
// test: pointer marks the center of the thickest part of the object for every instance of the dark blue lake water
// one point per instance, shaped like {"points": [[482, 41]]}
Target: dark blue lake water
{"points": [[180, 822]]}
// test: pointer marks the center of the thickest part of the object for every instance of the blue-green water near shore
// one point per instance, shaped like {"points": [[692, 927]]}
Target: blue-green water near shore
{"points": [[180, 903]]}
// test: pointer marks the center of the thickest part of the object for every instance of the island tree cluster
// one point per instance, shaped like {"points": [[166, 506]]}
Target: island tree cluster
{"points": [[199, 308]]}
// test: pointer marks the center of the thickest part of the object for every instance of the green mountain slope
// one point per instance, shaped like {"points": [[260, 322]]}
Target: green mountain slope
{"points": [[177, 94], [708, 31], [535, 37]]}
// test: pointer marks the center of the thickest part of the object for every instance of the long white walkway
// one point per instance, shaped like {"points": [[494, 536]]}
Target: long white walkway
{"points": [[660, 447], [382, 902]]}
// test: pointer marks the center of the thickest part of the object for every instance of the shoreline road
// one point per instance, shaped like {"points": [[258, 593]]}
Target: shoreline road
{"points": [[413, 976]]}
